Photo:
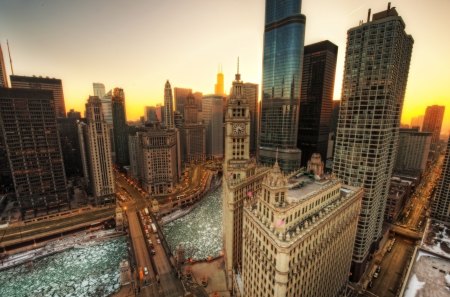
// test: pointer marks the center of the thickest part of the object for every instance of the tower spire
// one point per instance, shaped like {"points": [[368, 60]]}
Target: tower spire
{"points": [[10, 59], [238, 76]]}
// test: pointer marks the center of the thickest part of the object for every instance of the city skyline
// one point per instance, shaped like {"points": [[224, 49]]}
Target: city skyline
{"points": [[136, 55]]}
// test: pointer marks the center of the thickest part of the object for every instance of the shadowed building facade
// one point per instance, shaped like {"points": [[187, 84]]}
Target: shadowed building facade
{"points": [[120, 127], [282, 74], [376, 70], [316, 102], [29, 130]]}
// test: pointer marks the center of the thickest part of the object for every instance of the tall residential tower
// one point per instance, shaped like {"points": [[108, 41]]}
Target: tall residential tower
{"points": [[284, 35], [375, 76]]}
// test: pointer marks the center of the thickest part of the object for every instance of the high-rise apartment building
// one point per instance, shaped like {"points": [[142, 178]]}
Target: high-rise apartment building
{"points": [[96, 152], [440, 206], [219, 88], [417, 122], [298, 236], [157, 151], [284, 35], [212, 116], [43, 83], [375, 76], [29, 131], [3, 75], [168, 107], [241, 179], [250, 92], [432, 122], [120, 127], [316, 101], [413, 150], [180, 96]]}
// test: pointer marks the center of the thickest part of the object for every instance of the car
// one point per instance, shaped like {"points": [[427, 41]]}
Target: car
{"points": [[145, 270], [375, 275], [158, 241]]}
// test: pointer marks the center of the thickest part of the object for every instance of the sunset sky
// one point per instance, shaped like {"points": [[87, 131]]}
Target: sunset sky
{"points": [[139, 44]]}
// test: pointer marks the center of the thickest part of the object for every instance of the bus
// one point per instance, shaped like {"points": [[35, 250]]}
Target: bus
{"points": [[154, 228]]}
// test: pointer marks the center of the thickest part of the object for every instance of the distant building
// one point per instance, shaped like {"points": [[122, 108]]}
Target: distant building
{"points": [[219, 86], [369, 120], [96, 153], [417, 122], [120, 127], [30, 137], [43, 83], [432, 122], [413, 151], [70, 145], [193, 134], [150, 114], [3, 74], [168, 107], [440, 209], [99, 90], [316, 101], [250, 92], [180, 96], [332, 135], [198, 100], [72, 114], [298, 236], [160, 113], [157, 151], [213, 106], [399, 193]]}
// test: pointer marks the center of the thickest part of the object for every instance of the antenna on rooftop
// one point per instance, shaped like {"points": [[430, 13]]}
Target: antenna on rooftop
{"points": [[10, 59]]}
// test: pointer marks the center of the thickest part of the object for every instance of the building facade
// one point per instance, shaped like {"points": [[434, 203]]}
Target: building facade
{"points": [[193, 134], [70, 145], [120, 127], [316, 101], [284, 35], [417, 122], [298, 236], [43, 83], [151, 115], [181, 95], [157, 151], [250, 92], [31, 140], [440, 206], [375, 76], [96, 153], [413, 151], [212, 116], [432, 122]]}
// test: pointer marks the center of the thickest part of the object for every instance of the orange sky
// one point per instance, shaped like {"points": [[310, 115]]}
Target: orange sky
{"points": [[139, 44]]}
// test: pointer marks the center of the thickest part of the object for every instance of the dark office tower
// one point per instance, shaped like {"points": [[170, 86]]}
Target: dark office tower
{"points": [[3, 76], [28, 126], [440, 207], [120, 127], [70, 145], [333, 128], [375, 76], [250, 92], [432, 122], [316, 102], [43, 83], [284, 36], [180, 95]]}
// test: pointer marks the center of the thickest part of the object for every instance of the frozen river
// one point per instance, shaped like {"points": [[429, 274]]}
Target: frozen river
{"points": [[89, 271], [200, 231]]}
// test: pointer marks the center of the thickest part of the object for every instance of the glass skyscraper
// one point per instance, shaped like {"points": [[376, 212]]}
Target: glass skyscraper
{"points": [[284, 36]]}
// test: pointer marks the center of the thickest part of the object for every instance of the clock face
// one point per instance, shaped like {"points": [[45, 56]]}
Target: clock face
{"points": [[238, 129]]}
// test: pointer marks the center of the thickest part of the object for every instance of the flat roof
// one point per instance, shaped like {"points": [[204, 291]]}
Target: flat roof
{"points": [[302, 186]]}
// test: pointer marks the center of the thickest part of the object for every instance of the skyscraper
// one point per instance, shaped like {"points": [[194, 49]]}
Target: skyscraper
{"points": [[3, 76], [440, 206], [316, 102], [29, 130], [43, 83], [180, 96], [219, 86], [413, 150], [168, 107], [193, 133], [99, 90], [298, 240], [96, 152], [212, 116], [120, 127], [150, 114], [417, 122], [250, 92], [432, 122], [375, 76], [284, 36]]}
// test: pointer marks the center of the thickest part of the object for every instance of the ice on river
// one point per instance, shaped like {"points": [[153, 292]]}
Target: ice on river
{"points": [[200, 231], [90, 271]]}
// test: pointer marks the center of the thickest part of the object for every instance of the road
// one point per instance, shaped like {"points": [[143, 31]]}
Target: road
{"points": [[393, 266]]}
